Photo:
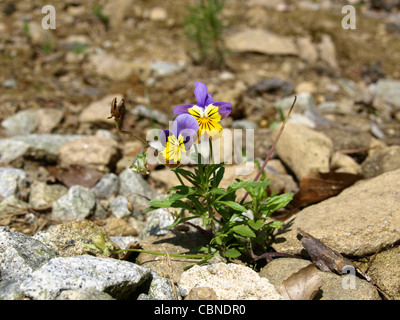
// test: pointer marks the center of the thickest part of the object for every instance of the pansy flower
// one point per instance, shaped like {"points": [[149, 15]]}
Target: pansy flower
{"points": [[207, 111], [178, 141]]}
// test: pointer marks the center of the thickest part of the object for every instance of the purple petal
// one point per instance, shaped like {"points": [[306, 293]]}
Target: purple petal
{"points": [[184, 121], [209, 99], [200, 92], [164, 134], [182, 108], [224, 108]]}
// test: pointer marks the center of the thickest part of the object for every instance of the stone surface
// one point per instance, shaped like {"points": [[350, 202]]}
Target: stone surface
{"points": [[83, 294], [157, 223], [107, 186], [389, 90], [43, 195], [261, 41], [359, 221], [10, 181], [43, 147], [304, 150], [71, 239], [78, 203], [334, 287], [136, 189], [202, 293], [381, 160], [304, 101], [119, 207], [98, 111], [229, 281], [20, 255], [114, 277], [97, 152]]}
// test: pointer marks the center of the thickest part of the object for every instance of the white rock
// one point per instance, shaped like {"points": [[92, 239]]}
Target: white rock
{"points": [[229, 281]]}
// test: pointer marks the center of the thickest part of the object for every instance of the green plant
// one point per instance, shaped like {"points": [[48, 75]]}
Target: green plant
{"points": [[98, 12], [204, 30]]}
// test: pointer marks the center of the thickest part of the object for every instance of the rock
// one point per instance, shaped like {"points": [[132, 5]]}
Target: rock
{"points": [[341, 162], [381, 160], [261, 41], [327, 52], [32, 120], [41, 147], [202, 293], [84, 294], [389, 90], [22, 123], [333, 287], [117, 69], [151, 114], [158, 14], [114, 277], [304, 101], [344, 139], [10, 205], [300, 119], [117, 12], [136, 189], [120, 227], [71, 239], [307, 50], [99, 111], [304, 150], [271, 85], [11, 180], [119, 207], [171, 243], [41, 37], [158, 287], [107, 186], [78, 203], [43, 195], [350, 222], [384, 270], [229, 281], [96, 152], [157, 223], [165, 69], [20, 255]]}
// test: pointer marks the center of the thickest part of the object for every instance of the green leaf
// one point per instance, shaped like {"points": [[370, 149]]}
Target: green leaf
{"points": [[248, 184], [181, 221], [275, 224], [276, 203], [234, 205], [217, 191], [244, 231], [232, 253], [219, 176], [256, 225]]}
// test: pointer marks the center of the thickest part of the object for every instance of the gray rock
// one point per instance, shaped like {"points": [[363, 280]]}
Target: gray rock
{"points": [[10, 181], [114, 277], [11, 204], [157, 287], [78, 203], [84, 294], [305, 101], [107, 186], [351, 221], [119, 207], [10, 290], [22, 123], [98, 111], [43, 147], [157, 223], [151, 114], [389, 90], [165, 69], [20, 255], [381, 160], [136, 189], [43, 195]]}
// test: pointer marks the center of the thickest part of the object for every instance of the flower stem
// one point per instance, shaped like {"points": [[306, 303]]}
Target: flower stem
{"points": [[272, 149]]}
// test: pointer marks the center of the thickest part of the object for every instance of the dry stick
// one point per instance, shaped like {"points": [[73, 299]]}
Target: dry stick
{"points": [[272, 149]]}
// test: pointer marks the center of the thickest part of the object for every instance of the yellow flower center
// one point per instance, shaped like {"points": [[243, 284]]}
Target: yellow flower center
{"points": [[174, 148], [208, 119]]}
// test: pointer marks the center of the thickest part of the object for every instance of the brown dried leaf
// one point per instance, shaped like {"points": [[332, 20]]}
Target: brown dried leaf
{"points": [[301, 285], [316, 186]]}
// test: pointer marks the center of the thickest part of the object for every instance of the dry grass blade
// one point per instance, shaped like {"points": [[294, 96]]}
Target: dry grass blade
{"points": [[301, 285]]}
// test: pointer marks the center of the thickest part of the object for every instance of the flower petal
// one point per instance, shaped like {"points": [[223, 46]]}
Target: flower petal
{"points": [[224, 108], [184, 121], [183, 108], [200, 92]]}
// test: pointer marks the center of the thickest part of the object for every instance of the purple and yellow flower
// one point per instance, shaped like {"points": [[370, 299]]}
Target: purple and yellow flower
{"points": [[180, 139], [207, 112]]}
